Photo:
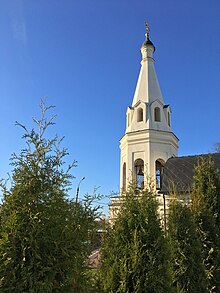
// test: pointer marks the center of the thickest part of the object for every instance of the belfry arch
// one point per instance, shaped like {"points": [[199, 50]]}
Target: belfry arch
{"points": [[124, 177], [139, 173], [159, 165]]}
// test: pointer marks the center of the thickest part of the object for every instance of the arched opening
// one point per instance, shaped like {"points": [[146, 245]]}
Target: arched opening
{"points": [[168, 118], [124, 177], [139, 115], [159, 164], [139, 173], [157, 114]]}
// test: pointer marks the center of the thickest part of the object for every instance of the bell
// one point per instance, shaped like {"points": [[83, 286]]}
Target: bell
{"points": [[140, 172]]}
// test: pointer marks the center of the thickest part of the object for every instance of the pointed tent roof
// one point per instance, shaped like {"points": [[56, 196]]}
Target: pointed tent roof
{"points": [[148, 88]]}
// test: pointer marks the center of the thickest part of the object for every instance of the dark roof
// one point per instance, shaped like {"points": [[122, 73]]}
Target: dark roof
{"points": [[178, 172], [148, 42]]}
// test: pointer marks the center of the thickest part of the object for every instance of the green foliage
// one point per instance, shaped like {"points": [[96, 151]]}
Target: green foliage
{"points": [[43, 235], [95, 283], [135, 253], [206, 187], [187, 267], [206, 210]]}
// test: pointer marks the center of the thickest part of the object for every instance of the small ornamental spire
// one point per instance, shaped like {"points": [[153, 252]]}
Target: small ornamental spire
{"points": [[147, 42], [147, 30]]}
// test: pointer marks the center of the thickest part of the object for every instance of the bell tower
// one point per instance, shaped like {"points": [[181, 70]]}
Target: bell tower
{"points": [[148, 141]]}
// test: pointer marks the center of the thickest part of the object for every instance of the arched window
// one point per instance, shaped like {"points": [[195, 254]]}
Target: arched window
{"points": [[139, 115], [159, 173], [157, 114], [139, 173], [124, 177], [168, 118]]}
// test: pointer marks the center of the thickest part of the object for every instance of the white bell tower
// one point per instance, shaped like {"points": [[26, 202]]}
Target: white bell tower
{"points": [[148, 140]]}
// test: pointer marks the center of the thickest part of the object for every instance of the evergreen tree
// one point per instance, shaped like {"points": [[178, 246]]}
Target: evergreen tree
{"points": [[43, 234], [135, 255], [206, 210], [188, 272], [206, 187]]}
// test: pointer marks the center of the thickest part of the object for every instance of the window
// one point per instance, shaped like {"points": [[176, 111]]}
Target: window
{"points": [[157, 114], [168, 118], [139, 173], [139, 115], [159, 173], [124, 177]]}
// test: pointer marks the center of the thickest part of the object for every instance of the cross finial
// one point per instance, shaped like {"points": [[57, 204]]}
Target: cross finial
{"points": [[147, 29]]}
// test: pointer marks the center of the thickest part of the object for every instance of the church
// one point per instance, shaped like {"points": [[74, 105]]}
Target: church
{"points": [[149, 148]]}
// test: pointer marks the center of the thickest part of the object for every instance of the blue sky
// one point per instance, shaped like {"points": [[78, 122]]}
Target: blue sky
{"points": [[85, 57]]}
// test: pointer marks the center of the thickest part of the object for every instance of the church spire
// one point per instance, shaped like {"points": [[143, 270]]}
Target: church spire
{"points": [[148, 141], [148, 88]]}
